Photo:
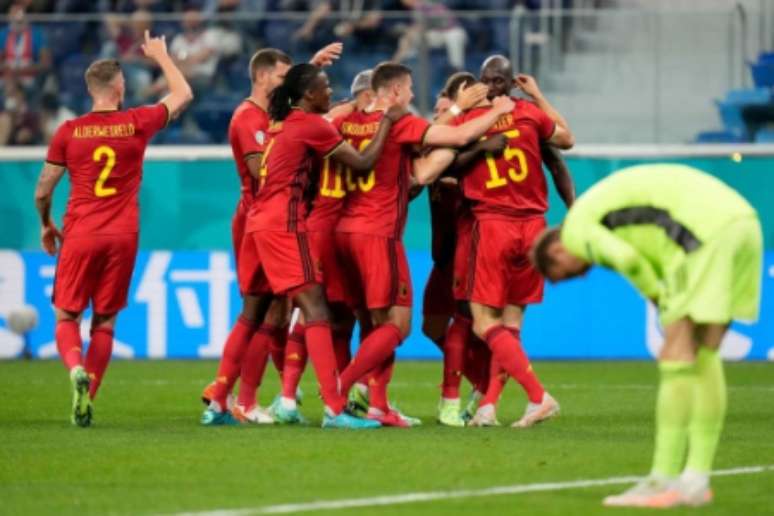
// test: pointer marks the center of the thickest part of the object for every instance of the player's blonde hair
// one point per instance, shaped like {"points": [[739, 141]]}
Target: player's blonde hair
{"points": [[101, 73]]}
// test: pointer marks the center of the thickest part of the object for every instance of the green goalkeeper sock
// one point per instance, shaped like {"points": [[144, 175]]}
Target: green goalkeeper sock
{"points": [[709, 410], [673, 416]]}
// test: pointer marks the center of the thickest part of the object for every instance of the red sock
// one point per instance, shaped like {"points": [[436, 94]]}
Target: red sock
{"points": [[378, 382], [374, 350], [497, 379], [231, 361], [277, 347], [98, 357], [254, 364], [506, 349], [319, 345], [68, 342], [454, 357], [477, 363], [341, 340], [294, 360]]}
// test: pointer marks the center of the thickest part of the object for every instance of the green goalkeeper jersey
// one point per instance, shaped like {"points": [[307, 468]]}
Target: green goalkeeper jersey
{"points": [[644, 221]]}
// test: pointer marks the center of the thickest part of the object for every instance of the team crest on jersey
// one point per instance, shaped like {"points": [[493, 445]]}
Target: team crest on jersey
{"points": [[260, 137]]}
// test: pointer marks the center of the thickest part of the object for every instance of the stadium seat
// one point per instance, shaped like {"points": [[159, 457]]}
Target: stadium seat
{"points": [[718, 137], [764, 136], [766, 58], [763, 74]]}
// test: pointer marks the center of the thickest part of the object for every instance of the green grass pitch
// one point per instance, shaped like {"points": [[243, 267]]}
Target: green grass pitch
{"points": [[147, 454]]}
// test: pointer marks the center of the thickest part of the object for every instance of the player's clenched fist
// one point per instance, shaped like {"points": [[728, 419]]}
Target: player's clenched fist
{"points": [[495, 144], [154, 48]]}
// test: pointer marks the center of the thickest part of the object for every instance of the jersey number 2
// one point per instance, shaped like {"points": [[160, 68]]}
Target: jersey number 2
{"points": [[103, 151]]}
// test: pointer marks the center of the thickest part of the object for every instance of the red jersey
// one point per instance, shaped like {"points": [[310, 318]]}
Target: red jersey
{"points": [[332, 190], [289, 161], [247, 134], [445, 203], [377, 204], [511, 184], [103, 152]]}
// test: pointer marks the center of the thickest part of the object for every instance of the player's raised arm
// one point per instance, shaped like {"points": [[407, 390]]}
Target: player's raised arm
{"points": [[365, 161], [560, 173], [327, 55], [448, 136], [466, 98], [44, 191], [562, 137], [180, 94]]}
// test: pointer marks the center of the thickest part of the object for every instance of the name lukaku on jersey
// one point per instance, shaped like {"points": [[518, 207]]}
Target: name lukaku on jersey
{"points": [[104, 131]]}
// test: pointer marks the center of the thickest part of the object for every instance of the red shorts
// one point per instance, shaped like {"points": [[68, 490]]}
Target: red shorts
{"points": [[275, 262], [461, 257], [97, 269], [439, 298], [323, 246], [500, 272], [375, 268]]}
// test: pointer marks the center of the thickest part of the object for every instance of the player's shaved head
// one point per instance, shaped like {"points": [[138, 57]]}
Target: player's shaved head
{"points": [[386, 74], [498, 64], [454, 82], [267, 58], [100, 75], [497, 74]]}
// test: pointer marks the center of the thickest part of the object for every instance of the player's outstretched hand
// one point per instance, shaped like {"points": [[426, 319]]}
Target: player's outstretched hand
{"points": [[396, 112], [495, 144], [327, 55], [50, 239], [154, 48], [503, 104], [471, 96], [527, 84]]}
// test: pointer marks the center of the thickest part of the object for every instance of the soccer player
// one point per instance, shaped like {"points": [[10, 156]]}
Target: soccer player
{"points": [[370, 231], [250, 341], [321, 224], [509, 198], [692, 246], [102, 151], [276, 250]]}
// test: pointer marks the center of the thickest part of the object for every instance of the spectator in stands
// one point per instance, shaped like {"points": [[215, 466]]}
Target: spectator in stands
{"points": [[52, 115], [130, 6], [26, 56], [124, 43], [439, 27], [19, 125], [353, 18], [196, 51]]}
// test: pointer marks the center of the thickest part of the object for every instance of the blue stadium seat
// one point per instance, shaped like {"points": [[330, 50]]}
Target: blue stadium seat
{"points": [[764, 136], [763, 74], [749, 96], [766, 58], [64, 38], [718, 137]]}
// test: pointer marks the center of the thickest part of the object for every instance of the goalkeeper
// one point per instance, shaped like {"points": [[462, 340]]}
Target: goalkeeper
{"points": [[693, 246]]}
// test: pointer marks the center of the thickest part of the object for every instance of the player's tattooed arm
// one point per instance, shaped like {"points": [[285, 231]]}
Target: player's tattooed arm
{"points": [[448, 136], [44, 192], [466, 98], [560, 173], [180, 93], [364, 161]]}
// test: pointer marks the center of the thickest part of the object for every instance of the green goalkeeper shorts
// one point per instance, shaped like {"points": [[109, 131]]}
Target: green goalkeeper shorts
{"points": [[720, 281]]}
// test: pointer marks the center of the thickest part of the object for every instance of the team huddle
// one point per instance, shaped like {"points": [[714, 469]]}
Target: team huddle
{"points": [[318, 242]]}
